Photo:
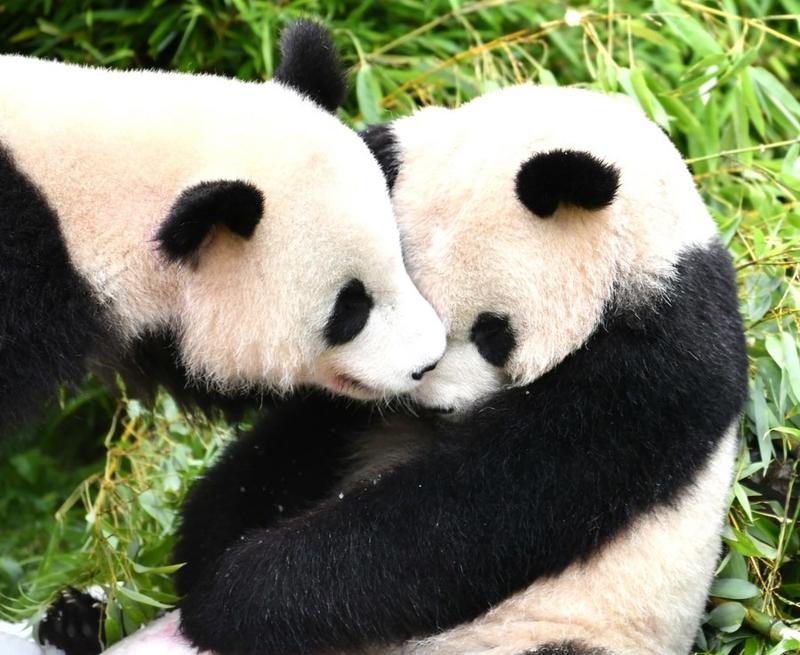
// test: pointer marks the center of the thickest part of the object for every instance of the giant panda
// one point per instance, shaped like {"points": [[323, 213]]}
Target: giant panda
{"points": [[241, 219], [561, 490]]}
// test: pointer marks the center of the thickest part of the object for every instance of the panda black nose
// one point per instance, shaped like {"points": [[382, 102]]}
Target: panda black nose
{"points": [[417, 375]]}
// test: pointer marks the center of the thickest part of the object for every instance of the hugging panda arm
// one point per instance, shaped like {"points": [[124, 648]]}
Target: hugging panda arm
{"points": [[290, 460], [536, 478]]}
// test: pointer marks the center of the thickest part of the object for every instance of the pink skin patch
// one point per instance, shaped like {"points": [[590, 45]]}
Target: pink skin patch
{"points": [[161, 637]]}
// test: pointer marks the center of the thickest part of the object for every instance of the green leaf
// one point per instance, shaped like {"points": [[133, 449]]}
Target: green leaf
{"points": [[113, 627], [167, 569], [638, 29], [727, 617], [792, 363], [369, 94], [546, 78], [10, 568], [744, 501], [139, 597], [750, 546], [748, 96], [733, 589], [778, 95], [685, 120], [687, 29], [788, 646], [153, 505]]}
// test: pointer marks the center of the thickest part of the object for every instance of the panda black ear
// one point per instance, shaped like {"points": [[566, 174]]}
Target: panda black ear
{"points": [[311, 65], [571, 177], [235, 204], [381, 141]]}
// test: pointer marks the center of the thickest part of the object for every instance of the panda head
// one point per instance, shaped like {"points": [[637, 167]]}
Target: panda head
{"points": [[526, 215], [286, 252]]}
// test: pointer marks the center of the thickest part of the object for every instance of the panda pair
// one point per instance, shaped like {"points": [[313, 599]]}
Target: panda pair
{"points": [[571, 500], [566, 493], [236, 230]]}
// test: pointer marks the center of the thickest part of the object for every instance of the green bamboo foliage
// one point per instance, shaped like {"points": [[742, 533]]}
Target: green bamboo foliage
{"points": [[721, 77]]}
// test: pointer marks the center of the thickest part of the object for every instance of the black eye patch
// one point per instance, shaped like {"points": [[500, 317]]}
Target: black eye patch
{"points": [[350, 313], [494, 338]]}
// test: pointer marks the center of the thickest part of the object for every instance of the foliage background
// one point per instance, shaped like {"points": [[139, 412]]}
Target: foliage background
{"points": [[89, 495]]}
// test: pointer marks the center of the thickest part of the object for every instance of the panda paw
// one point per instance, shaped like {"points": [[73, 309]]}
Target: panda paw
{"points": [[73, 623]]}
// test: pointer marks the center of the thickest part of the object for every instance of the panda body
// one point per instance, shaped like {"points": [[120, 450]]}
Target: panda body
{"points": [[645, 590], [232, 215], [593, 380], [643, 593], [566, 496]]}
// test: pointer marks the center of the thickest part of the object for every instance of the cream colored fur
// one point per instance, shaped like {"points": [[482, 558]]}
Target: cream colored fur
{"points": [[641, 595], [113, 150], [471, 245]]}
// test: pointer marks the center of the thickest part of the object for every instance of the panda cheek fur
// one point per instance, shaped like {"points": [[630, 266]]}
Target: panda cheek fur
{"points": [[460, 380]]}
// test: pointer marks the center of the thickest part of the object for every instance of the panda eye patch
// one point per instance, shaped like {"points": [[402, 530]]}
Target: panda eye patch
{"points": [[494, 338], [350, 313]]}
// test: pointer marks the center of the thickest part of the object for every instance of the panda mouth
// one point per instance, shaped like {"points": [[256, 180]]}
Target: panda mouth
{"points": [[350, 386]]}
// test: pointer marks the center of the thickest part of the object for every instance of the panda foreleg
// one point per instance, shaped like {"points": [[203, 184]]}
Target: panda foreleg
{"points": [[73, 623], [287, 462], [408, 553]]}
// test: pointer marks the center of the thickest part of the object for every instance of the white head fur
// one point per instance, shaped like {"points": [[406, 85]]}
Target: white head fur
{"points": [[473, 247], [113, 151]]}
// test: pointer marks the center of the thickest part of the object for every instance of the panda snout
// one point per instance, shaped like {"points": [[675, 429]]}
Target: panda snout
{"points": [[417, 375]]}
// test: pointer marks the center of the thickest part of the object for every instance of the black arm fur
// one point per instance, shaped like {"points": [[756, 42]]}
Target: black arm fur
{"points": [[540, 477], [288, 462]]}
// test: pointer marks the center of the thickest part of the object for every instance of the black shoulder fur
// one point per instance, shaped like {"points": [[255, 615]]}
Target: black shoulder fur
{"points": [[50, 321]]}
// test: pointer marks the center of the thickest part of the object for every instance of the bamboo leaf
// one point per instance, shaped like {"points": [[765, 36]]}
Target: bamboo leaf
{"points": [[727, 617], [733, 589]]}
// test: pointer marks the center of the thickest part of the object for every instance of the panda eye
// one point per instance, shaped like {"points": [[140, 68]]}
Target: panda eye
{"points": [[494, 338], [350, 313]]}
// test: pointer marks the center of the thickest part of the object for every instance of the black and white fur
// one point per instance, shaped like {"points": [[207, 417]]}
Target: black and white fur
{"points": [[572, 502], [243, 220], [597, 367]]}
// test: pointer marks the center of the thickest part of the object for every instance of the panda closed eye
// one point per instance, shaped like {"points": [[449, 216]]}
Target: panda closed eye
{"points": [[350, 313], [494, 338]]}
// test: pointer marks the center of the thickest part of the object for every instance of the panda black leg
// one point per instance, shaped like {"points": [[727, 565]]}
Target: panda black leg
{"points": [[287, 463], [73, 623], [566, 648]]}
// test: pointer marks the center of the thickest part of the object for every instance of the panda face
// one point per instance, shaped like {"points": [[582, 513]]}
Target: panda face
{"points": [[242, 217], [317, 292], [292, 274], [525, 215]]}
